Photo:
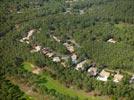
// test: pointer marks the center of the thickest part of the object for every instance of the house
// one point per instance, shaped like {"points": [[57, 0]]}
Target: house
{"points": [[63, 63], [117, 77], [45, 50], [56, 59], [111, 41], [132, 79], [50, 54], [30, 33], [36, 71], [103, 75], [69, 47], [81, 12], [80, 65], [73, 42], [17, 26], [92, 71], [56, 39], [64, 57], [26, 39], [19, 12], [74, 58], [36, 49], [21, 40], [66, 44], [70, 1], [68, 11], [27, 42]]}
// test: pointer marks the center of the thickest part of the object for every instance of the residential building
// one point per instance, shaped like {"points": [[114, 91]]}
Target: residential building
{"points": [[80, 65], [74, 58], [117, 77], [92, 71], [56, 59], [103, 75], [45, 50], [69, 47], [56, 39], [36, 71], [30, 33], [111, 41], [132, 79], [50, 54], [36, 49]]}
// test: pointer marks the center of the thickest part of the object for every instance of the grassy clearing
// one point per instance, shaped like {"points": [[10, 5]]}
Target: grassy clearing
{"points": [[54, 84]]}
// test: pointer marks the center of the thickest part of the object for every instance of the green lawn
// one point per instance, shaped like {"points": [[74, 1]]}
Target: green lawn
{"points": [[54, 84]]}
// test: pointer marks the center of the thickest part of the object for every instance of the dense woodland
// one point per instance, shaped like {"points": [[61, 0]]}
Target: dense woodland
{"points": [[102, 20]]}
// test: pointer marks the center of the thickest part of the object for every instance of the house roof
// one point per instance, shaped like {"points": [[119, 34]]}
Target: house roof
{"points": [[63, 63], [111, 41], [66, 44], [74, 56], [45, 50], [56, 39], [132, 79], [49, 54], [103, 73], [118, 77], [80, 65], [36, 70], [92, 71], [81, 12], [65, 57], [69, 47], [30, 33], [56, 59], [38, 48]]}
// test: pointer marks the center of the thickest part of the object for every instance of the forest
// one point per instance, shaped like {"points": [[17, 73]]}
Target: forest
{"points": [[91, 23]]}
